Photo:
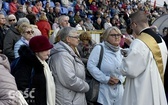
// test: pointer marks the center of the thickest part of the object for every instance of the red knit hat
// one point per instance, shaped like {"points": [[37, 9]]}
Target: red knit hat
{"points": [[39, 43]]}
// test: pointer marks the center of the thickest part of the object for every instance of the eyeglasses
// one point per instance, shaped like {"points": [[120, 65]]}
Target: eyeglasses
{"points": [[77, 37], [12, 20], [29, 32], [115, 35]]}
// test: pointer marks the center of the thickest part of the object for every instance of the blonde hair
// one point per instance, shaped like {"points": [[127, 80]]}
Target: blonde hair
{"points": [[108, 30], [43, 16], [23, 27]]}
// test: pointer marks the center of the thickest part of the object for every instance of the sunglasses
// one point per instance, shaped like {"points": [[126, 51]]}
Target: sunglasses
{"points": [[29, 32], [12, 20], [115, 35]]}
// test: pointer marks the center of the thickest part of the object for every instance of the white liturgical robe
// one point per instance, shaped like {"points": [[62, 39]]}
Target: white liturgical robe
{"points": [[143, 82]]}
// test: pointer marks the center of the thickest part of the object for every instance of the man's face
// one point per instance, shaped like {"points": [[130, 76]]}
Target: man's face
{"points": [[133, 26], [2, 19], [65, 22]]}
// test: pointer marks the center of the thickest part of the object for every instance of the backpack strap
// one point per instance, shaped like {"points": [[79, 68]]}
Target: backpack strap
{"points": [[153, 46]]}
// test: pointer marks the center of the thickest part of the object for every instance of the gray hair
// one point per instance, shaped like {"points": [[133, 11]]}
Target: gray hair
{"points": [[61, 18], [21, 20], [108, 30], [65, 32], [11, 16]]}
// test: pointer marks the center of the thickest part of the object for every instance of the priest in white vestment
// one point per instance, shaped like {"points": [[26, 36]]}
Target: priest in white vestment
{"points": [[143, 80]]}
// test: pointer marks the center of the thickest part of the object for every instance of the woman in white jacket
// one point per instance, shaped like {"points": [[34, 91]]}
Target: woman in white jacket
{"points": [[109, 75]]}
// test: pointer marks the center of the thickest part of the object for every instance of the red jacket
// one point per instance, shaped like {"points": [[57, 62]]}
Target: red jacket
{"points": [[13, 8], [44, 27]]}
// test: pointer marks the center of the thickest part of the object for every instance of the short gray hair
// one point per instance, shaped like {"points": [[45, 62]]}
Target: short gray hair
{"points": [[21, 20], [65, 32], [61, 18]]}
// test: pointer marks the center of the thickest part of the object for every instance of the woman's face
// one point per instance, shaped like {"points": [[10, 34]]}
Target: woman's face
{"points": [[43, 55], [28, 34], [47, 5], [73, 40], [29, 9], [85, 42], [114, 38]]}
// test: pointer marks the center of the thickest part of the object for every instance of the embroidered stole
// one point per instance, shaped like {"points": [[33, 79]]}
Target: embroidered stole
{"points": [[153, 46]]}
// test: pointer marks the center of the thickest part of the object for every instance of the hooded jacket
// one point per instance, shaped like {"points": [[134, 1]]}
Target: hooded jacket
{"points": [[9, 94], [69, 74]]}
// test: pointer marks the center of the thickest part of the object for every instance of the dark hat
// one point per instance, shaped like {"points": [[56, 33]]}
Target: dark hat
{"points": [[39, 43]]}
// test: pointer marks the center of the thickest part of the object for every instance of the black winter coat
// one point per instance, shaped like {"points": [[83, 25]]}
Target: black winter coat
{"points": [[11, 37], [30, 78]]}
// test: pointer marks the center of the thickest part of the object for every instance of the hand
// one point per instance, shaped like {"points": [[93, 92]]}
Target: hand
{"points": [[113, 81], [128, 40], [125, 52], [116, 80]]}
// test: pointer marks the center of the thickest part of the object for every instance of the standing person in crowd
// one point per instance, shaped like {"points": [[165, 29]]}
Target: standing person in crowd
{"points": [[13, 6], [19, 13], [71, 19], [107, 24], [3, 31], [88, 24], [80, 25], [85, 46], [36, 8], [55, 24], [68, 69], [98, 24], [44, 25], [29, 10], [109, 75], [144, 85], [63, 21], [77, 17], [27, 33], [11, 37], [9, 94], [11, 19], [32, 19], [165, 38], [50, 16], [32, 73]]}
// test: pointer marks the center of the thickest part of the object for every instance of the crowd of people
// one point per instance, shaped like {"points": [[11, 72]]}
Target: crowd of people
{"points": [[53, 56]]}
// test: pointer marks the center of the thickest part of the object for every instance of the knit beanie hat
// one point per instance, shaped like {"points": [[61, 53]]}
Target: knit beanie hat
{"points": [[39, 43]]}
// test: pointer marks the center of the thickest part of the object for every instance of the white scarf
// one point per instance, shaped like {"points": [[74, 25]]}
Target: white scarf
{"points": [[50, 85]]}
